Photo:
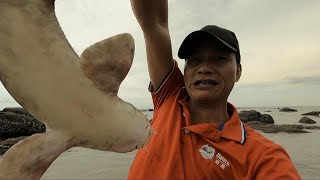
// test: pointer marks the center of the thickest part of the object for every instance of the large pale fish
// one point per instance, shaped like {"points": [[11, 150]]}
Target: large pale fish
{"points": [[75, 97]]}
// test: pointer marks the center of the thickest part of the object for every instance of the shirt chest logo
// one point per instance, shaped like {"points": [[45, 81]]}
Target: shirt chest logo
{"points": [[209, 152]]}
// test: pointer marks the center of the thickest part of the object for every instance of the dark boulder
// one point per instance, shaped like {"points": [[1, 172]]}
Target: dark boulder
{"points": [[16, 125], [273, 128], [311, 127], [312, 113], [17, 110], [286, 109], [266, 118], [306, 120], [253, 115], [286, 128], [255, 123], [247, 116]]}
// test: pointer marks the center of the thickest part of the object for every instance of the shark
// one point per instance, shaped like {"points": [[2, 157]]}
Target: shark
{"points": [[75, 97]]}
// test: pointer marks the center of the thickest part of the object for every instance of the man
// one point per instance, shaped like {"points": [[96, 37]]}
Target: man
{"points": [[199, 134]]}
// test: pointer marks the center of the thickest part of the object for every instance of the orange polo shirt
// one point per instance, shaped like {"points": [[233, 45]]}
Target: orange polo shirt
{"points": [[179, 150]]}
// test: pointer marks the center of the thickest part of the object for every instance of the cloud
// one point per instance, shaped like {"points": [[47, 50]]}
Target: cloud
{"points": [[312, 80], [275, 94]]}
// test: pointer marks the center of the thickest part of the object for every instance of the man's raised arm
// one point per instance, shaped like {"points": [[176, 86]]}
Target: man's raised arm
{"points": [[152, 16]]}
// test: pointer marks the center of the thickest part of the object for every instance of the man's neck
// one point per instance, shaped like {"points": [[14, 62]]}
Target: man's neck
{"points": [[204, 113]]}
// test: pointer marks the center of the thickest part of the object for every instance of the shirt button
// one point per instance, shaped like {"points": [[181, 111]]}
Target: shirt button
{"points": [[186, 131]]}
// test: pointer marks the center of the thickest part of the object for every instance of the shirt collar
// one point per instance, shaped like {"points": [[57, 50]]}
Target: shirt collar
{"points": [[233, 129]]}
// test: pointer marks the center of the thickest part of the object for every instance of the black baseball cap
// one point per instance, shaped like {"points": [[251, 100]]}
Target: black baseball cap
{"points": [[225, 36]]}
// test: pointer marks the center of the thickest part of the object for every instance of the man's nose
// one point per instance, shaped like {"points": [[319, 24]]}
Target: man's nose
{"points": [[205, 69]]}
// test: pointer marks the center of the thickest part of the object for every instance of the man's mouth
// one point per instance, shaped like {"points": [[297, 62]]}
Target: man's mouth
{"points": [[206, 82]]}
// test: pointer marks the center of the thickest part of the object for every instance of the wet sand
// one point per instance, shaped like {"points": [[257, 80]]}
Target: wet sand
{"points": [[80, 163]]}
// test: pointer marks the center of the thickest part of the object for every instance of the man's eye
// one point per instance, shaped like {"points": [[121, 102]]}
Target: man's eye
{"points": [[192, 61]]}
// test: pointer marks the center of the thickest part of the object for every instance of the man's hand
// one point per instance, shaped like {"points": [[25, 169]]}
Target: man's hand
{"points": [[150, 13]]}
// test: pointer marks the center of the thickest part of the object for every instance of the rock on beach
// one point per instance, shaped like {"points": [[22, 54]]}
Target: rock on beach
{"points": [[306, 120], [286, 109], [16, 124], [253, 115], [266, 118], [287, 128], [247, 116], [265, 123], [312, 113]]}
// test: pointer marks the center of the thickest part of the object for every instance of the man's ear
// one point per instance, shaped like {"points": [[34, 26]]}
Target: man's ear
{"points": [[239, 71]]}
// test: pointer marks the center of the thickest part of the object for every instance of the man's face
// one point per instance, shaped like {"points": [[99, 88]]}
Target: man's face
{"points": [[210, 73]]}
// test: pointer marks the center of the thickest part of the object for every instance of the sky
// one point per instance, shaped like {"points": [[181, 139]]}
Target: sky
{"points": [[279, 44]]}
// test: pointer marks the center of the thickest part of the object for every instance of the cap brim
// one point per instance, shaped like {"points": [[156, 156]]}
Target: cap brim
{"points": [[185, 48]]}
